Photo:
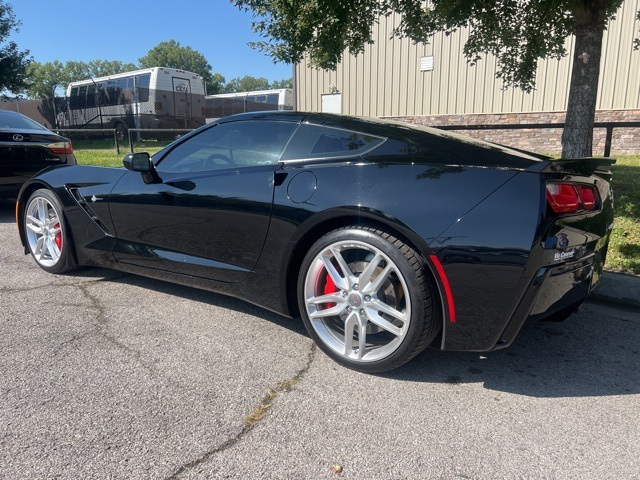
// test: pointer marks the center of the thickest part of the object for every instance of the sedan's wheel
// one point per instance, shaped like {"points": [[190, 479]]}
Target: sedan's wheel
{"points": [[46, 232], [366, 299]]}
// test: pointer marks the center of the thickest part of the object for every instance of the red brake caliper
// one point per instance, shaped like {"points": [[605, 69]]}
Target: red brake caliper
{"points": [[329, 287], [58, 237]]}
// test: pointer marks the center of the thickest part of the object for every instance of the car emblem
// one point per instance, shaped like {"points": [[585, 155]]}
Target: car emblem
{"points": [[563, 240], [355, 300], [18, 138]]}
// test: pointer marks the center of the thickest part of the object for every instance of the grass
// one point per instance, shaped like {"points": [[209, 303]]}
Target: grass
{"points": [[624, 249], [103, 152]]}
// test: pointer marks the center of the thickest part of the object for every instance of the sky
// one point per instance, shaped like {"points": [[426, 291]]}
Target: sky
{"points": [[85, 30]]}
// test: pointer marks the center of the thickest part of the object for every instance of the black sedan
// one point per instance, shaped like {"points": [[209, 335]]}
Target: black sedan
{"points": [[382, 236], [26, 147]]}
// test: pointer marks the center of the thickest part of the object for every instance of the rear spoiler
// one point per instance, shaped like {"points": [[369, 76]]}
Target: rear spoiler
{"points": [[586, 166]]}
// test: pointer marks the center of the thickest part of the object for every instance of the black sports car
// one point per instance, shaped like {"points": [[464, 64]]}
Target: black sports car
{"points": [[26, 147], [382, 236]]}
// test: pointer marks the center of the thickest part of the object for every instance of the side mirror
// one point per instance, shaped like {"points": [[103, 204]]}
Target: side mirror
{"points": [[141, 162], [138, 162]]}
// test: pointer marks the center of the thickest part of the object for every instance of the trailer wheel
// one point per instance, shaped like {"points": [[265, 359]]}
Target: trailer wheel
{"points": [[121, 131]]}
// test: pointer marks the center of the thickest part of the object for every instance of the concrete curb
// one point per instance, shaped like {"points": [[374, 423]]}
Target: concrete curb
{"points": [[618, 288]]}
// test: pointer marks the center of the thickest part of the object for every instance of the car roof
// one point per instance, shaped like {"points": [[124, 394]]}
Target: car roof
{"points": [[381, 127]]}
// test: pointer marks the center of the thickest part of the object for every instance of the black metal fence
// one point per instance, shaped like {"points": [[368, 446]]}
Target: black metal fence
{"points": [[98, 116], [610, 126], [93, 108]]}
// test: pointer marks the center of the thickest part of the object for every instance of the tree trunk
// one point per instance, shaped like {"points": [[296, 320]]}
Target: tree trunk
{"points": [[577, 137]]}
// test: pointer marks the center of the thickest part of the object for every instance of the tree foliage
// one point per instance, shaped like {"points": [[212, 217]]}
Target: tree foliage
{"points": [[173, 55], [103, 68], [517, 32], [285, 83], [247, 84], [13, 62], [216, 85], [46, 80]]}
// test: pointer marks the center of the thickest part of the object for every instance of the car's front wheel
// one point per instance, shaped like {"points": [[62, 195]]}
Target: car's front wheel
{"points": [[46, 232], [366, 299]]}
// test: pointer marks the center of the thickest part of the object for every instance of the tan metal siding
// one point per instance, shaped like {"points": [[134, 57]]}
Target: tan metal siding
{"points": [[386, 79]]}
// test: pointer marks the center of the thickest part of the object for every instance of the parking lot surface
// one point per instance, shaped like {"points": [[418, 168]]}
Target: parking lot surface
{"points": [[106, 375]]}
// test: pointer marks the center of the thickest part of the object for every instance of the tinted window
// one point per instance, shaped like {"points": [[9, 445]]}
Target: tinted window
{"points": [[91, 96], [112, 96], [124, 91], [82, 96], [313, 141], [230, 145], [143, 87], [73, 99], [101, 95]]}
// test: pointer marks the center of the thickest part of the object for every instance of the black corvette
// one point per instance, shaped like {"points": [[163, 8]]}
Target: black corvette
{"points": [[384, 237]]}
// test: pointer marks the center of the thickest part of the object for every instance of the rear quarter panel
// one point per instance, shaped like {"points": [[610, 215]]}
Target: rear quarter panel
{"points": [[414, 202]]}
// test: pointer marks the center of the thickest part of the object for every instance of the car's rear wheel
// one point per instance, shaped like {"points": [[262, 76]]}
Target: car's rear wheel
{"points": [[366, 299], [46, 232]]}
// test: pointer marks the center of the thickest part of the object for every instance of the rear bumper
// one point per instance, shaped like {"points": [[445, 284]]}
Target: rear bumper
{"points": [[495, 290], [553, 294]]}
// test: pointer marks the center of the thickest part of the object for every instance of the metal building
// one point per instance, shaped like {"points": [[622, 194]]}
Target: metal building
{"points": [[434, 84]]}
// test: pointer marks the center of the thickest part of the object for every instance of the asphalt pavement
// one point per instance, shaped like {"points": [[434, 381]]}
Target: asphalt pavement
{"points": [[106, 375]]}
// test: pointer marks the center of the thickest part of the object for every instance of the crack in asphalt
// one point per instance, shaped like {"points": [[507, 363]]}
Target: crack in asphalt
{"points": [[259, 413], [99, 326], [101, 322]]}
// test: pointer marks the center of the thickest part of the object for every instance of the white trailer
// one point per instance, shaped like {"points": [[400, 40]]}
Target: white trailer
{"points": [[157, 97]]}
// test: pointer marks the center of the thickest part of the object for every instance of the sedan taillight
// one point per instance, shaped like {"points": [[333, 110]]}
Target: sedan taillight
{"points": [[61, 147], [571, 198]]}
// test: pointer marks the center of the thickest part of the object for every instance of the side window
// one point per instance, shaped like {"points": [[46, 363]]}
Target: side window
{"points": [[229, 145], [82, 97], [313, 141], [124, 92], [143, 87], [73, 98], [101, 94], [91, 96], [112, 95]]}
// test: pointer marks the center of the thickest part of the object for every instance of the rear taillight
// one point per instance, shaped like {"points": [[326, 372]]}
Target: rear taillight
{"points": [[571, 198], [61, 147]]}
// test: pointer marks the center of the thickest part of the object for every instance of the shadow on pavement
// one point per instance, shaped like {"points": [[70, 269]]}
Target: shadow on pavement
{"points": [[7, 211], [595, 352], [197, 295]]}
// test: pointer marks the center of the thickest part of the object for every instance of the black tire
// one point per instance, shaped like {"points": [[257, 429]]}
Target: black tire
{"points": [[395, 305], [47, 234], [121, 131]]}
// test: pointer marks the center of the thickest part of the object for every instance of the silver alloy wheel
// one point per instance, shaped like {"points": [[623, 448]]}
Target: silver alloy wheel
{"points": [[44, 231], [357, 301]]}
